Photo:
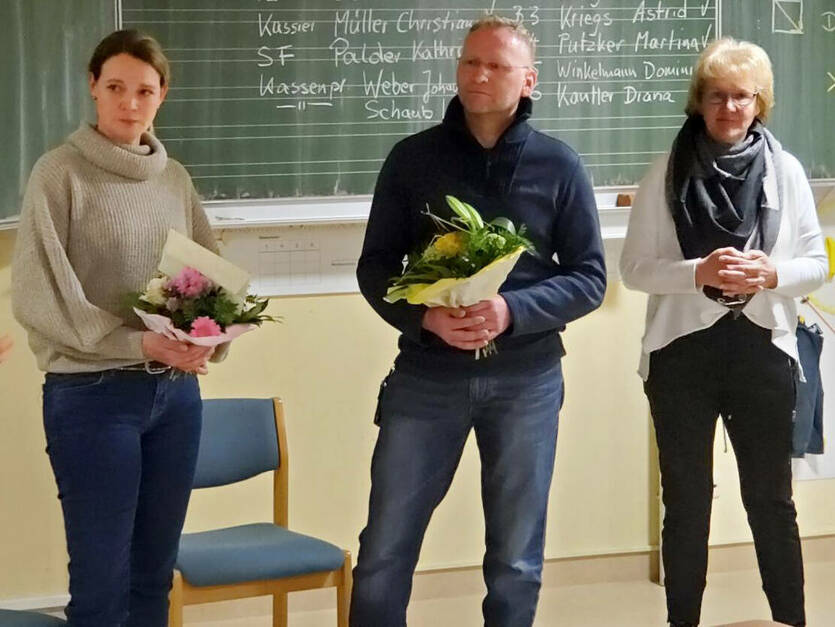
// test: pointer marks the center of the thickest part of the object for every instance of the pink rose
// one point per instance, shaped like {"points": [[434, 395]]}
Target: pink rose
{"points": [[190, 283], [205, 327]]}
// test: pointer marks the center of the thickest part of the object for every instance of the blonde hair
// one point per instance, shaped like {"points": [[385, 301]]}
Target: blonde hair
{"points": [[728, 58], [494, 21]]}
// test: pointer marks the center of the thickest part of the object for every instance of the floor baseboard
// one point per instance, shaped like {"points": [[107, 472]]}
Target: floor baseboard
{"points": [[467, 581]]}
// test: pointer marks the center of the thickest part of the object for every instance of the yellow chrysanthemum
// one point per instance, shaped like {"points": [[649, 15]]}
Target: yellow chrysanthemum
{"points": [[450, 244]]}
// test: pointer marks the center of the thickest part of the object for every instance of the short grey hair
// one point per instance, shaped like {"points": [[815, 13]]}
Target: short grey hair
{"points": [[490, 20]]}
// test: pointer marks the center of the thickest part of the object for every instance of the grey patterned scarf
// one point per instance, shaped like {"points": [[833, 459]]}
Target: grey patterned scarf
{"points": [[715, 194]]}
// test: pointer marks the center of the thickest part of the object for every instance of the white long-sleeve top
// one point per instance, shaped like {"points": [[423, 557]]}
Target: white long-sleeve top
{"points": [[652, 262]]}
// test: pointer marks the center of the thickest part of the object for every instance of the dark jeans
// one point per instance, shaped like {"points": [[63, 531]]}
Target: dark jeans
{"points": [[732, 369], [123, 447], [423, 428]]}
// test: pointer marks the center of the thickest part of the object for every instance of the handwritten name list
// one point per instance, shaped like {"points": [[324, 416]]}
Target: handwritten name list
{"points": [[270, 99]]}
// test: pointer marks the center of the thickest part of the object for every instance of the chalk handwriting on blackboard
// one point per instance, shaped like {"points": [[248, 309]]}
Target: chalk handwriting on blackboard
{"points": [[306, 98]]}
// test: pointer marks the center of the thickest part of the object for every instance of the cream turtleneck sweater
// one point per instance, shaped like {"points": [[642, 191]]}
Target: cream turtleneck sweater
{"points": [[94, 221]]}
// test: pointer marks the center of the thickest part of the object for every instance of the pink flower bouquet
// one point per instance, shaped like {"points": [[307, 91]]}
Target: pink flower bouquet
{"points": [[189, 307]]}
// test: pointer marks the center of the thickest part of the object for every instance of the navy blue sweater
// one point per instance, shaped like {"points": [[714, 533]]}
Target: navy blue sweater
{"points": [[528, 177]]}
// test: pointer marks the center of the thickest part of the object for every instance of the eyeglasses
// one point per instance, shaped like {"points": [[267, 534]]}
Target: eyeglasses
{"points": [[492, 67], [740, 99]]}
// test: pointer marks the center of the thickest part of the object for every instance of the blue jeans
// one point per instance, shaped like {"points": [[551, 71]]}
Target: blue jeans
{"points": [[424, 425], [123, 446]]}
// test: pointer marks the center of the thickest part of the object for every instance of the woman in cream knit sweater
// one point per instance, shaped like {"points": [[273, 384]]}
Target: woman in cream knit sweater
{"points": [[122, 431]]}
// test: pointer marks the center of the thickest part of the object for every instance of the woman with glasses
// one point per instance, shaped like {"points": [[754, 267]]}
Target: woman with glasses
{"points": [[723, 236]]}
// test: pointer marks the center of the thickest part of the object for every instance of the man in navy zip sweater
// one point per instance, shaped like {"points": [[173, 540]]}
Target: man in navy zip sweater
{"points": [[486, 154]]}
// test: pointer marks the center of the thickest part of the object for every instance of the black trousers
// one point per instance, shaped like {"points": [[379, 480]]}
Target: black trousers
{"points": [[732, 369]]}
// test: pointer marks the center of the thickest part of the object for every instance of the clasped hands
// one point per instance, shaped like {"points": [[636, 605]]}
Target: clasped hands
{"points": [[735, 272], [180, 355], [469, 328]]}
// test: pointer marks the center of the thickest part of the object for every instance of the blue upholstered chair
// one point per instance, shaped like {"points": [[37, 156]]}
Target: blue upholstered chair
{"points": [[11, 618], [242, 438]]}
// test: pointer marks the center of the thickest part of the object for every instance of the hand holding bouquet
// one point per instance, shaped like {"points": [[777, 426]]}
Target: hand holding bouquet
{"points": [[465, 264], [198, 297]]}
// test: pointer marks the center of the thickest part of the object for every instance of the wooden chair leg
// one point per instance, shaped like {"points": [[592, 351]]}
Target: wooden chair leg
{"points": [[343, 593], [175, 601], [280, 609]]}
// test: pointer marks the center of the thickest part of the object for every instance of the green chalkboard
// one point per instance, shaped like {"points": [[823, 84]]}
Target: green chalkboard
{"points": [[299, 98], [306, 97], [44, 49], [799, 36]]}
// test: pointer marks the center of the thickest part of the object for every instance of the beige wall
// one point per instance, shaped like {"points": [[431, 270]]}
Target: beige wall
{"points": [[326, 360]]}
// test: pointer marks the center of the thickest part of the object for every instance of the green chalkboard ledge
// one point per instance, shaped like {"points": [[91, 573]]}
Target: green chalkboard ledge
{"points": [[243, 214], [237, 214], [265, 213]]}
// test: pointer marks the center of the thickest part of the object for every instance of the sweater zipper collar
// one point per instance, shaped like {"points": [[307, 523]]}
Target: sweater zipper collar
{"points": [[518, 130]]}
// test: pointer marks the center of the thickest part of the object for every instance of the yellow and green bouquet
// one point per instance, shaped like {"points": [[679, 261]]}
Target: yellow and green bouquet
{"points": [[465, 263]]}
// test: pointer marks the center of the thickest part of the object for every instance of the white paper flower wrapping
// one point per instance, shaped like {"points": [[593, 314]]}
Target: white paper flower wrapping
{"points": [[482, 285], [164, 326]]}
